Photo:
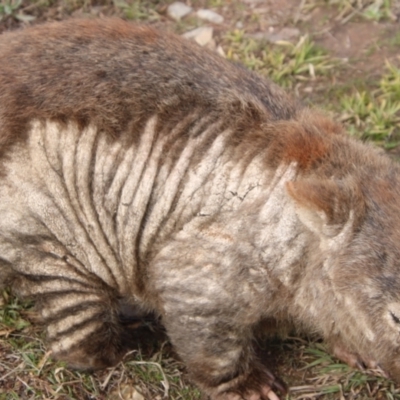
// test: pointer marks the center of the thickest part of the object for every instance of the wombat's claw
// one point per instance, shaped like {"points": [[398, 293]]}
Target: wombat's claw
{"points": [[355, 361], [352, 359], [371, 365], [274, 383], [255, 391], [266, 393], [381, 372], [358, 364]]}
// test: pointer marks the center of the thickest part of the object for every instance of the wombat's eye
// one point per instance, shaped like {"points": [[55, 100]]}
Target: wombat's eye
{"points": [[395, 318]]}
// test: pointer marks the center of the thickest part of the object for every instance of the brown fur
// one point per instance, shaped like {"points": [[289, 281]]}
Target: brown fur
{"points": [[159, 79], [309, 238]]}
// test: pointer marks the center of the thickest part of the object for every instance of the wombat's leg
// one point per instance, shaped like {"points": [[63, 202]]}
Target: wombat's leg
{"points": [[219, 356], [210, 332], [212, 296], [210, 306], [6, 274], [95, 339], [83, 322]]}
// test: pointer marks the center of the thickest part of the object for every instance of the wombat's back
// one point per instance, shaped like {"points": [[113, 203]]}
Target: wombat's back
{"points": [[112, 73]]}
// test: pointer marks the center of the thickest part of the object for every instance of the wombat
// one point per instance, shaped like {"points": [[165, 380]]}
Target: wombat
{"points": [[143, 174]]}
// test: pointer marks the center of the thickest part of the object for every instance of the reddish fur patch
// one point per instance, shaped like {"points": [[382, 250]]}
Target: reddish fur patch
{"points": [[313, 195], [89, 29], [334, 198], [320, 122], [292, 141], [304, 149]]}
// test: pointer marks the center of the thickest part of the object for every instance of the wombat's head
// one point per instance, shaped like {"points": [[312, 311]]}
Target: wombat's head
{"points": [[354, 290]]}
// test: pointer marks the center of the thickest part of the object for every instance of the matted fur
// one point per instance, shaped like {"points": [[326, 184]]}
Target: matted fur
{"points": [[141, 173]]}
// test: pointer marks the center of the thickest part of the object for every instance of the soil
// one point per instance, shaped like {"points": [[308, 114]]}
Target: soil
{"points": [[362, 46], [356, 39]]}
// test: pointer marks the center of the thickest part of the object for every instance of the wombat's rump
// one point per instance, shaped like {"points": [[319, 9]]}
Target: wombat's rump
{"points": [[141, 173]]}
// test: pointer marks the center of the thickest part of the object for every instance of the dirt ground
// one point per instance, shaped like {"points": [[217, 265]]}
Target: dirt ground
{"points": [[360, 38], [345, 39], [361, 43]]}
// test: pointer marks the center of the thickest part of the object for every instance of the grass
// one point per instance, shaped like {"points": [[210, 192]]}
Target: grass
{"points": [[13, 9], [375, 115], [369, 10], [284, 62], [28, 371], [153, 372], [29, 10], [139, 10], [325, 377]]}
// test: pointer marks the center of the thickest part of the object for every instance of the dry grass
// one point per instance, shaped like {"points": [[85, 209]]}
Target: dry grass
{"points": [[346, 10], [28, 371], [153, 371]]}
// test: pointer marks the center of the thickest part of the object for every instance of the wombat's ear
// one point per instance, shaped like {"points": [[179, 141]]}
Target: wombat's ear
{"points": [[326, 206]]}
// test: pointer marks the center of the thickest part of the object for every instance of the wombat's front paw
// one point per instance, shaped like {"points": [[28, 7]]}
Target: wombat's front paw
{"points": [[265, 393], [355, 360], [260, 384]]}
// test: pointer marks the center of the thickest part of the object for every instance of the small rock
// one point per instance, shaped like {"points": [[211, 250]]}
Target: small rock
{"points": [[221, 51], [259, 35], [210, 16], [202, 35], [178, 10], [126, 392], [284, 34], [253, 2], [239, 25]]}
